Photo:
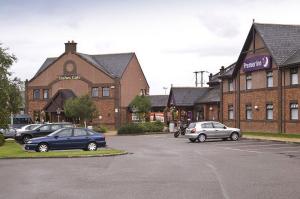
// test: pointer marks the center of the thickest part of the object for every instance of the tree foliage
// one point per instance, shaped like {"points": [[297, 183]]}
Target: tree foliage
{"points": [[10, 97], [141, 105], [80, 107]]}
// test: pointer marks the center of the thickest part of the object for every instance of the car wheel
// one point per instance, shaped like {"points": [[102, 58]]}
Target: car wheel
{"points": [[192, 139], [43, 147], [92, 146], [26, 138], [234, 136], [202, 138]]}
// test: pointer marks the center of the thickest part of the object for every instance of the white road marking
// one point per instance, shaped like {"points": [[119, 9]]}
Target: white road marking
{"points": [[214, 170], [244, 150]]}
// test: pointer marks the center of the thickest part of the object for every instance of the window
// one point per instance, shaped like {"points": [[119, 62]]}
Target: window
{"points": [[269, 111], [248, 81], [95, 92], [230, 85], [294, 111], [207, 125], [80, 132], [269, 79], [218, 125], [45, 93], [230, 112], [55, 127], [45, 128], [36, 94], [249, 112], [294, 76], [105, 92], [65, 133]]}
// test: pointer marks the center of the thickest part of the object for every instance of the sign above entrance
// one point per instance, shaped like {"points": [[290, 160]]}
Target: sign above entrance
{"points": [[68, 77], [257, 63]]}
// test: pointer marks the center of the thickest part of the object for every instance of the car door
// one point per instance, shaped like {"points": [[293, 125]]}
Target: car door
{"points": [[208, 129], [62, 139], [220, 131], [80, 138]]}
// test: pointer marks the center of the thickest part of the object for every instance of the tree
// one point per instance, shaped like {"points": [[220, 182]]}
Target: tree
{"points": [[10, 97], [141, 105], [82, 107]]}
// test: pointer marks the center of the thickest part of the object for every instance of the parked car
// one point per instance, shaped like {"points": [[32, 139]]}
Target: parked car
{"points": [[68, 138], [21, 120], [211, 130], [42, 130], [8, 133]]}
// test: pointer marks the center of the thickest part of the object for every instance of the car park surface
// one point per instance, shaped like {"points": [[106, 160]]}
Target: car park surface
{"points": [[161, 166]]}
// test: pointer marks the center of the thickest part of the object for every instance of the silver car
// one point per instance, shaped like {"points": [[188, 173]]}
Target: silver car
{"points": [[211, 130]]}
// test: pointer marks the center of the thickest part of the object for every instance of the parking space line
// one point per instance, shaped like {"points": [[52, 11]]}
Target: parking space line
{"points": [[250, 151], [265, 145]]}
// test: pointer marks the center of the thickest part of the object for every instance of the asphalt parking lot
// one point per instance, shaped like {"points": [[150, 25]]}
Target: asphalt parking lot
{"points": [[160, 166]]}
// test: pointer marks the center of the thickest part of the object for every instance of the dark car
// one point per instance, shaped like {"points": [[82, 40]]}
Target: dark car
{"points": [[68, 138], [43, 130]]}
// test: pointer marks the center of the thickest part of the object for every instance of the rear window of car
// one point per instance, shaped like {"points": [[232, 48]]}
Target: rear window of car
{"points": [[192, 125], [207, 125]]}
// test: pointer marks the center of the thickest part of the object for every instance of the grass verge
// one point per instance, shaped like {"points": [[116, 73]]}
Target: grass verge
{"points": [[277, 135], [11, 149]]}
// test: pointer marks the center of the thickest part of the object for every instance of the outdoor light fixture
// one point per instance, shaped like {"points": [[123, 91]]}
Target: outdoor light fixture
{"points": [[256, 107], [211, 108]]}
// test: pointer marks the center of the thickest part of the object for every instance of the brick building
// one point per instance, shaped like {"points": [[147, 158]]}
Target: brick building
{"points": [[112, 80], [261, 91]]}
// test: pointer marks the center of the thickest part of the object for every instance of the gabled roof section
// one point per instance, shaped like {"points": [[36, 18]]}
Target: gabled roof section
{"points": [[186, 96], [158, 100], [47, 62], [58, 99], [282, 41], [112, 64], [212, 96]]}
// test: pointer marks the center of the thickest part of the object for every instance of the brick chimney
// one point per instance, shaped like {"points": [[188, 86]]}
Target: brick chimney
{"points": [[210, 76], [70, 47], [222, 70]]}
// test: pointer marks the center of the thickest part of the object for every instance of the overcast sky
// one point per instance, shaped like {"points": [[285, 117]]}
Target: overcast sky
{"points": [[171, 39]]}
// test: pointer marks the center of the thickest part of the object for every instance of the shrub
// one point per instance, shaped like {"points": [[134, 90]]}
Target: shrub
{"points": [[100, 128], [2, 139], [156, 126], [131, 129], [138, 128]]}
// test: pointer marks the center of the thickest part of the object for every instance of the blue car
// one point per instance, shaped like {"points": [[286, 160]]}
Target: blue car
{"points": [[67, 138]]}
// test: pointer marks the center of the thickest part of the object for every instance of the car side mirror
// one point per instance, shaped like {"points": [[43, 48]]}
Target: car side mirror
{"points": [[56, 136], [224, 127], [38, 130]]}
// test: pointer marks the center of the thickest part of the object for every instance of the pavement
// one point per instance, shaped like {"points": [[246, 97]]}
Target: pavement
{"points": [[161, 166], [295, 140]]}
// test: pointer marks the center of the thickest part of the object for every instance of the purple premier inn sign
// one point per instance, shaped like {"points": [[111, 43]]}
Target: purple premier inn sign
{"points": [[257, 63]]}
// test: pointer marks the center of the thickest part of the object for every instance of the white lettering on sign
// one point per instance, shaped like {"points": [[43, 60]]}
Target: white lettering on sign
{"points": [[72, 77]]}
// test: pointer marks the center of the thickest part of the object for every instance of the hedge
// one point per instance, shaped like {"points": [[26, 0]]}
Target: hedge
{"points": [[2, 139], [101, 129], [140, 128]]}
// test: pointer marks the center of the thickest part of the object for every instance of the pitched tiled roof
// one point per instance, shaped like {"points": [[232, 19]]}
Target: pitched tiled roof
{"points": [[158, 100], [213, 95], [112, 64], [282, 40], [186, 96]]}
